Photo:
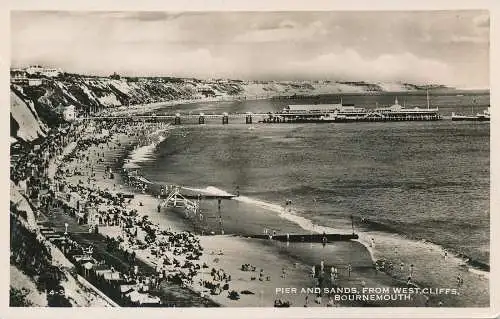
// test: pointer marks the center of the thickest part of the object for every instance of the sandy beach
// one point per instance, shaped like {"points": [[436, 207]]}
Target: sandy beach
{"points": [[226, 252], [228, 270]]}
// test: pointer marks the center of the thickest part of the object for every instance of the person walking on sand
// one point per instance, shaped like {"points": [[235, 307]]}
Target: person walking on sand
{"points": [[330, 302], [349, 269], [318, 300]]}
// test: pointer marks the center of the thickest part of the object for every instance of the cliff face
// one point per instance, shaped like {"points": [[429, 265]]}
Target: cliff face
{"points": [[36, 105], [25, 124]]}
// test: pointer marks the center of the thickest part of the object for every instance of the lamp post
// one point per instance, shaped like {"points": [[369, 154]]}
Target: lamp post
{"points": [[202, 284]]}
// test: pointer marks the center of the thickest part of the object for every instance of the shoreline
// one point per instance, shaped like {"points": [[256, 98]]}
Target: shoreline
{"points": [[136, 109], [109, 183], [227, 242], [101, 181], [437, 251]]}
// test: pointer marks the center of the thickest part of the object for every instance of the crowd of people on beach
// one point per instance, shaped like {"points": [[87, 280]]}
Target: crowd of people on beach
{"points": [[175, 253], [175, 256]]}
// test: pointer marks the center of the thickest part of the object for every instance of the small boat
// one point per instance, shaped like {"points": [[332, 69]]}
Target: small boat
{"points": [[459, 117]]}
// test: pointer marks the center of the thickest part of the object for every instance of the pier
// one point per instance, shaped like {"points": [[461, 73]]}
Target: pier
{"points": [[298, 113], [189, 203], [193, 119], [306, 238], [274, 117]]}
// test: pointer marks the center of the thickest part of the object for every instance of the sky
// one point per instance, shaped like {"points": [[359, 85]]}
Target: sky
{"points": [[444, 47]]}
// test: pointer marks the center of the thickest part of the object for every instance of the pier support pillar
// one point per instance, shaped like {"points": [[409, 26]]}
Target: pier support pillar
{"points": [[177, 120], [248, 119], [221, 224], [225, 118]]}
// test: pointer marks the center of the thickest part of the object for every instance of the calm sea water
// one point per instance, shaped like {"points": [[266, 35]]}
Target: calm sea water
{"points": [[424, 180]]}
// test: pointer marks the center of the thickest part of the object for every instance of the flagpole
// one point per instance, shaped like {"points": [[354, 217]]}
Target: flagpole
{"points": [[428, 105]]}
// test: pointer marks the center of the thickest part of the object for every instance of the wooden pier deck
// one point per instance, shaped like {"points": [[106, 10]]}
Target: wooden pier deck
{"points": [[309, 238]]}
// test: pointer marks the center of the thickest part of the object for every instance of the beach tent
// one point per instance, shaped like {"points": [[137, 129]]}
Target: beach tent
{"points": [[22, 186], [83, 259], [80, 216], [148, 299], [134, 296], [125, 289], [112, 275], [142, 179], [74, 199], [88, 265]]}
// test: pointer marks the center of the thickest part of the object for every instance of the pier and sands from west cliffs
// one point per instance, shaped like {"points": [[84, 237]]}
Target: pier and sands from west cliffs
{"points": [[126, 215]]}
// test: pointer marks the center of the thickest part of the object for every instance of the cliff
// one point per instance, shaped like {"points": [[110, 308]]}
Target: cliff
{"points": [[38, 103], [25, 124]]}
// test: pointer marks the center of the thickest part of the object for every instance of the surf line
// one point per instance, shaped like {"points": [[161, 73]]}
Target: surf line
{"points": [[289, 215]]}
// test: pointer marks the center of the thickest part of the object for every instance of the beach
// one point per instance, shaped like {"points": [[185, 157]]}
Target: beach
{"points": [[270, 264], [233, 159]]}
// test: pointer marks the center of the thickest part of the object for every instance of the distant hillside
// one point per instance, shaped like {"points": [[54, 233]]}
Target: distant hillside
{"points": [[38, 97]]}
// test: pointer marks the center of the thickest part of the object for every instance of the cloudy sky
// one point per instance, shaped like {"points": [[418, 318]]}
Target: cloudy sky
{"points": [[447, 47]]}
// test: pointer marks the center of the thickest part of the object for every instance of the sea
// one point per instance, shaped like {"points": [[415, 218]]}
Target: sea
{"points": [[417, 181]]}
